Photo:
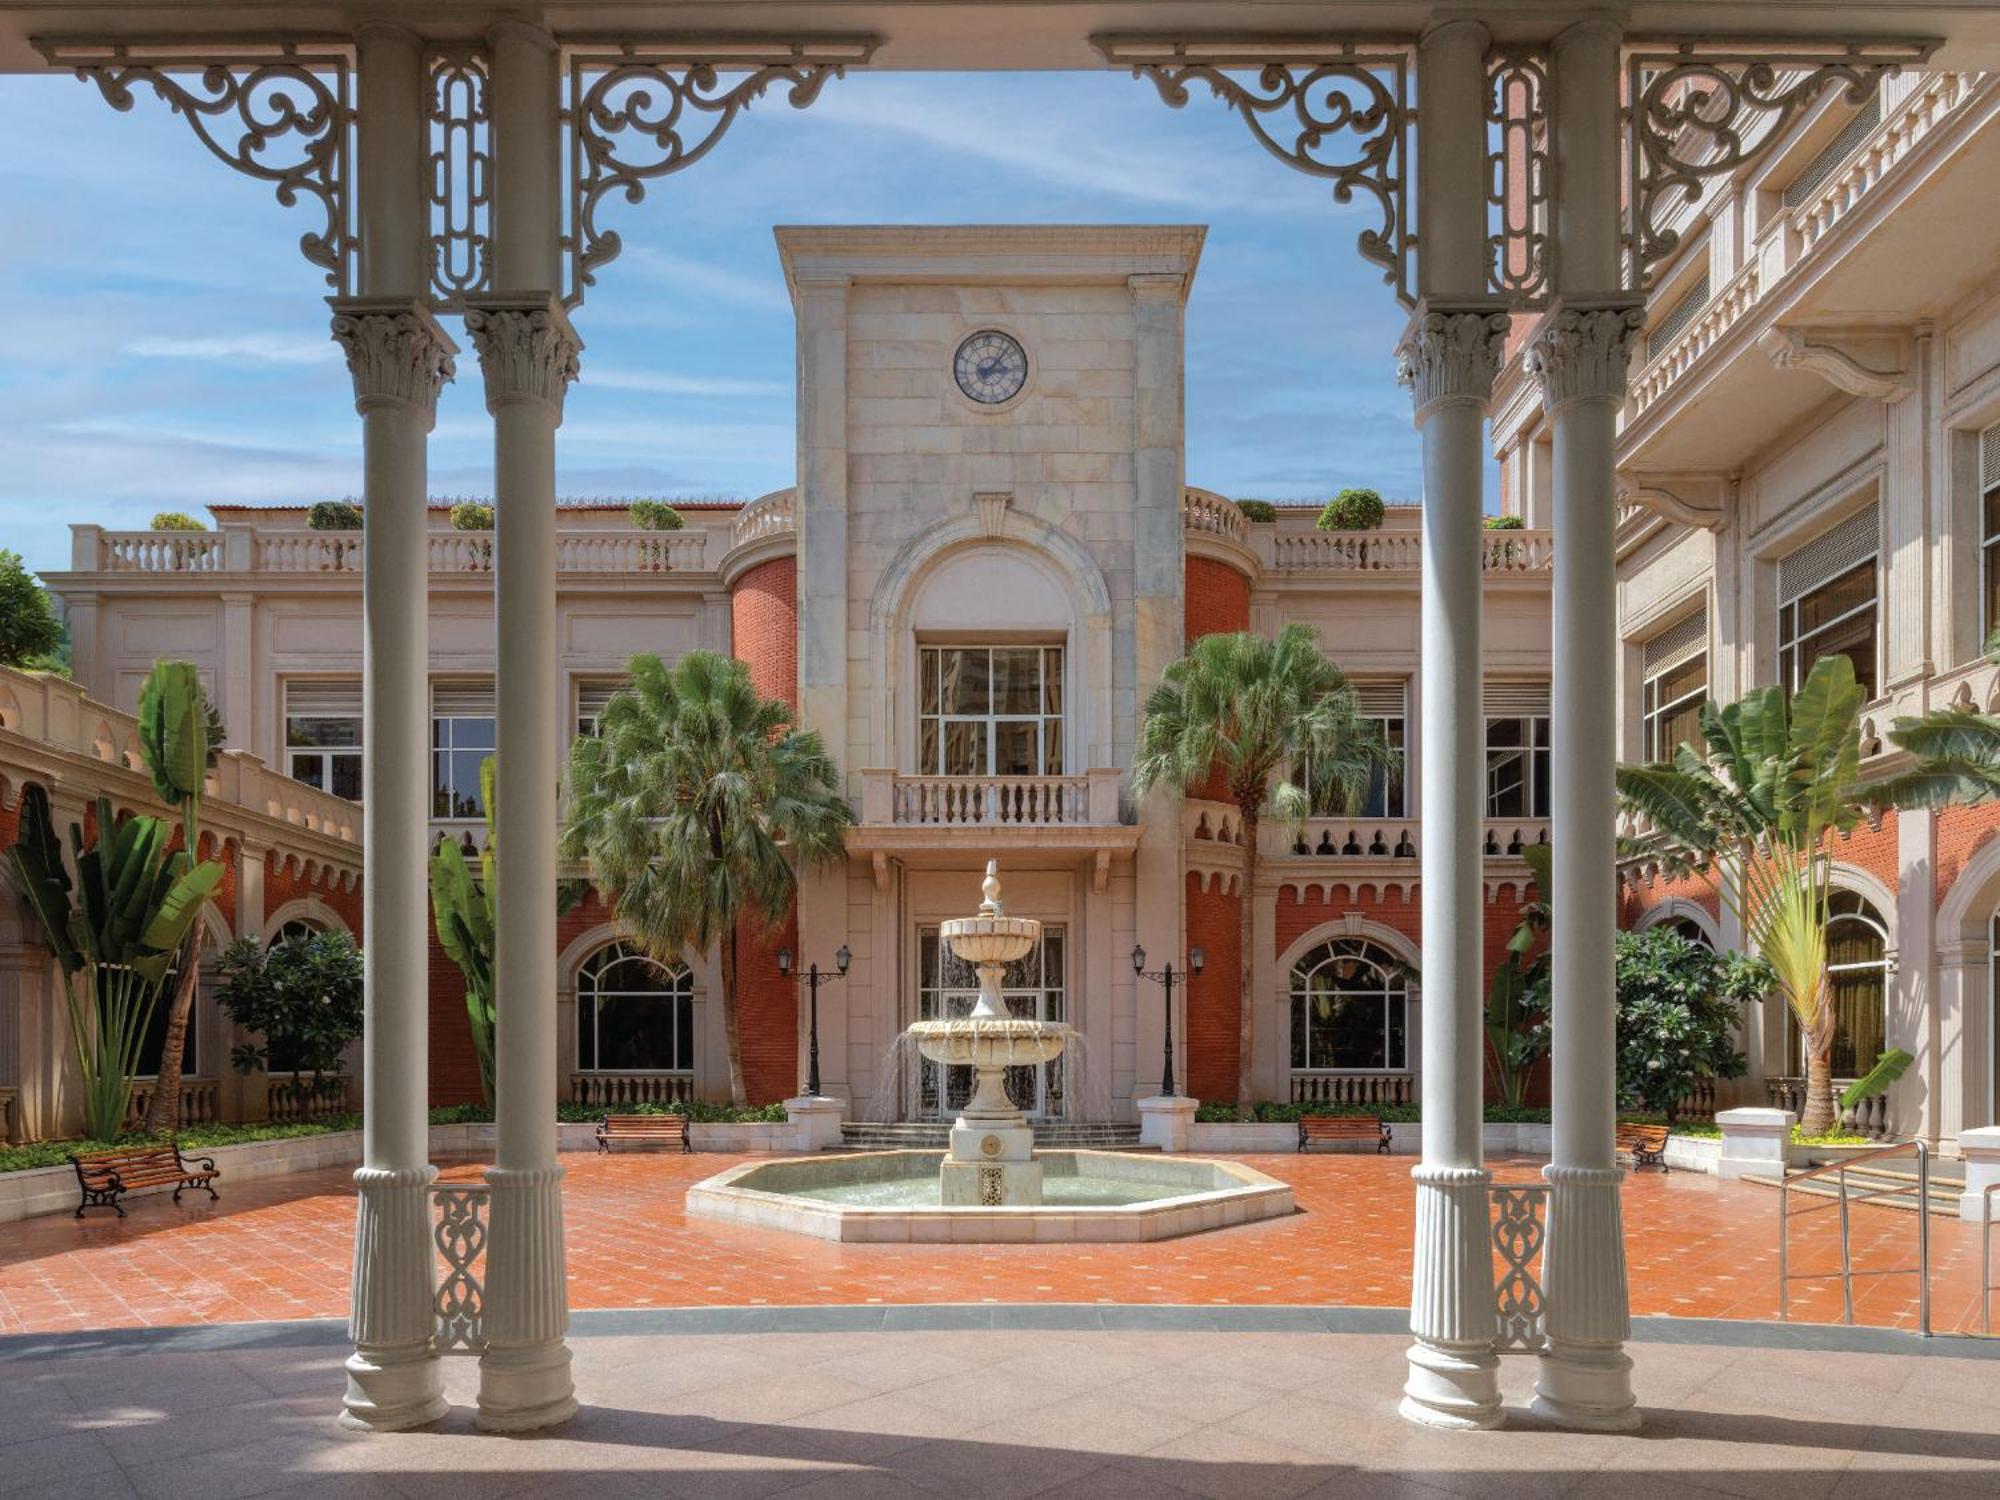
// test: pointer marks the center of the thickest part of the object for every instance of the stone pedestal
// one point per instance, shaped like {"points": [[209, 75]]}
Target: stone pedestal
{"points": [[1981, 1150], [1754, 1140], [990, 1166], [815, 1118], [1166, 1120]]}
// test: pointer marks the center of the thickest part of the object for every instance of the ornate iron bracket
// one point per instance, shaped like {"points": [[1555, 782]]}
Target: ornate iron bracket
{"points": [[458, 190], [1520, 1214], [282, 114], [1520, 173], [1695, 111], [1326, 108], [638, 112], [460, 1236]]}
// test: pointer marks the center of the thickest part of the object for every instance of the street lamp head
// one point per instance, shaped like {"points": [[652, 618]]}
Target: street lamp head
{"points": [[784, 960], [1138, 959], [842, 958], [1196, 958]]}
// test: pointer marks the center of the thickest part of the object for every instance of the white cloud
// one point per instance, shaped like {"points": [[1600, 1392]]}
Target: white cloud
{"points": [[696, 279], [663, 383], [268, 348]]}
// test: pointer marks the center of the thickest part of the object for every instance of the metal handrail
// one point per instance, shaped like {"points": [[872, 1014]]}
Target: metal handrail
{"points": [[1986, 1287], [1786, 1181]]}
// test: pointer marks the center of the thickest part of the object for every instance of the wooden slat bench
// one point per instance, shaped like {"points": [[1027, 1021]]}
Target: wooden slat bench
{"points": [[106, 1176], [644, 1130], [1645, 1144], [1343, 1128]]}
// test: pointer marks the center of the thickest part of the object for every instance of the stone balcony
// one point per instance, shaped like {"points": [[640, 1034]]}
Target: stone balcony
{"points": [[239, 550], [946, 819]]}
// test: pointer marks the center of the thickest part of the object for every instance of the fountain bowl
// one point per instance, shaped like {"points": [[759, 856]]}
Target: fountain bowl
{"points": [[990, 1041], [991, 938]]}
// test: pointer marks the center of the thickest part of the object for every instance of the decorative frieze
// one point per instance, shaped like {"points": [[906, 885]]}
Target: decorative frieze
{"points": [[1583, 350], [1451, 356], [527, 349], [396, 352]]}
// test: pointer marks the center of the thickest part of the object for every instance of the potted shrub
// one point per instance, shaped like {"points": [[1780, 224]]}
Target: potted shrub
{"points": [[175, 520], [475, 515], [334, 515], [1352, 510], [1257, 510], [655, 515], [1503, 553]]}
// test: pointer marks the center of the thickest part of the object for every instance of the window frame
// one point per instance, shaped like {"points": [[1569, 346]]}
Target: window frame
{"points": [[446, 751], [677, 991], [1654, 713], [324, 755], [930, 657], [1793, 662], [1534, 754], [1394, 993]]}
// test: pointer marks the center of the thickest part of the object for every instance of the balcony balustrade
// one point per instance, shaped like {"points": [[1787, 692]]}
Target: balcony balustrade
{"points": [[1205, 511], [579, 551], [997, 801], [1342, 1086], [774, 515], [1522, 553]]}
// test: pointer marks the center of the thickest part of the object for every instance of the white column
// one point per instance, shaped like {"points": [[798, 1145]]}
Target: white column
{"points": [[1580, 355], [527, 355], [1448, 358], [399, 357]]}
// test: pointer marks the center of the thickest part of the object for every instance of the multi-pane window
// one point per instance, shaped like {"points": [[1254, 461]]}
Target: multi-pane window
{"points": [[633, 1015], [592, 693], [1857, 976], [1989, 525], [1673, 669], [1382, 705], [1517, 749], [990, 711], [1033, 988], [1350, 1009], [461, 737], [1827, 604], [323, 733]]}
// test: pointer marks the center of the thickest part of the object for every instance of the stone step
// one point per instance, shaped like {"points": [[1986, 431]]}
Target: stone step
{"points": [[1880, 1191], [935, 1136]]}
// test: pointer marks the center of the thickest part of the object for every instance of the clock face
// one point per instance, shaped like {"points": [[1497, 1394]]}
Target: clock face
{"points": [[991, 367]]}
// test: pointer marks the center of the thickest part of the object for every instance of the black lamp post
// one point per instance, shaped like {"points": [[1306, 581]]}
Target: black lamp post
{"points": [[813, 978], [1166, 977]]}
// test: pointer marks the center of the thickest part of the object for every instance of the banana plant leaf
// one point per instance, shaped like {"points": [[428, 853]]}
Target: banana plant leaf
{"points": [[1890, 1066], [36, 864], [173, 730]]}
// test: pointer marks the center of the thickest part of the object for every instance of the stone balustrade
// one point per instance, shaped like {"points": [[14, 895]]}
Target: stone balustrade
{"points": [[1501, 552], [1870, 1117], [990, 801], [160, 552], [614, 1091], [1342, 1086], [201, 1102], [289, 1101], [774, 515], [292, 551], [1206, 511]]}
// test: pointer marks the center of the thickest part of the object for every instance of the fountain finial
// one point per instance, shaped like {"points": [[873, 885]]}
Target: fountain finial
{"points": [[991, 906]]}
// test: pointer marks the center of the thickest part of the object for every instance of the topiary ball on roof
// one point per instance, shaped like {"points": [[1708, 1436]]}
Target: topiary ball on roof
{"points": [[472, 515], [1257, 510], [1352, 510], [1505, 523], [176, 520], [656, 515], [334, 515]]}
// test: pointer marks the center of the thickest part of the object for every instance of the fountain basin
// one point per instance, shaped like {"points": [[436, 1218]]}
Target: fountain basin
{"points": [[990, 1041], [893, 1197]]}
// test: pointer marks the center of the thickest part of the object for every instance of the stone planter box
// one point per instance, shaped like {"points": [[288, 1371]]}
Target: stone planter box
{"points": [[1249, 1139]]}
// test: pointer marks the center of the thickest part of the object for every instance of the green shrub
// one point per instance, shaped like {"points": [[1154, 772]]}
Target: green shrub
{"points": [[1257, 510], [334, 515], [194, 1138], [472, 515], [176, 520], [1352, 510], [656, 515], [1505, 523], [29, 630]]}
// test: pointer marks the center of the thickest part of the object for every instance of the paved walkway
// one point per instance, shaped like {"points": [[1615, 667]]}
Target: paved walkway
{"points": [[993, 1415], [280, 1248]]}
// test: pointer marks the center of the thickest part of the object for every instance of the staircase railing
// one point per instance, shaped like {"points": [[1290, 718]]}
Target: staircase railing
{"points": [[1986, 1286], [1839, 1170]]}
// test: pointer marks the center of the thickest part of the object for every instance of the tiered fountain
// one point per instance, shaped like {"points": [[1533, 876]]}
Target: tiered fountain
{"points": [[991, 1184], [992, 1159]]}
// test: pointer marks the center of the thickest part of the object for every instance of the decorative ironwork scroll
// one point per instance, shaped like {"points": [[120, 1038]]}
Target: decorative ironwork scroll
{"points": [[458, 191], [460, 1235], [1519, 1229], [1695, 112], [282, 115], [638, 112], [1520, 251], [1328, 109]]}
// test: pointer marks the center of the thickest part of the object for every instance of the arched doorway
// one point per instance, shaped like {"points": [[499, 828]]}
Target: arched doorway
{"points": [[1351, 1034]]}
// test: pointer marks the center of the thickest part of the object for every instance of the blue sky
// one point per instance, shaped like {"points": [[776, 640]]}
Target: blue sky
{"points": [[167, 346]]}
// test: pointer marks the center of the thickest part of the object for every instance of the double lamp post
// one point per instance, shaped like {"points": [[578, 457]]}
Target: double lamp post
{"points": [[813, 979], [1166, 977]]}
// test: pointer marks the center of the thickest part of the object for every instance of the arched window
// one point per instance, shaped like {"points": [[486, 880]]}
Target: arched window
{"points": [[1857, 952], [633, 1015], [1350, 1009]]}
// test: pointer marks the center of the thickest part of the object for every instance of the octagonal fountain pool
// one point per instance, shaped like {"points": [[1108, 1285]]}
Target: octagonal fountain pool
{"points": [[889, 1196]]}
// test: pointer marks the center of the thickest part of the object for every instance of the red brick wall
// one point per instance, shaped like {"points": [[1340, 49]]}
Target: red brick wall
{"points": [[10, 817], [1217, 599], [285, 881], [454, 1065], [764, 629], [1213, 1017]]}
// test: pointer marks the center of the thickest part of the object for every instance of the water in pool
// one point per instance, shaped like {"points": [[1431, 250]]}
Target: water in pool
{"points": [[923, 1192]]}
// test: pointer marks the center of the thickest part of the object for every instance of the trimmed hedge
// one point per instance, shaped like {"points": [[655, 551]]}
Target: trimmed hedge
{"points": [[1257, 510], [175, 520], [656, 515], [472, 515], [334, 515], [1352, 510]]}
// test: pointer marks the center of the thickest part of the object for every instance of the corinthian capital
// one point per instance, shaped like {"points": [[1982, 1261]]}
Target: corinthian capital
{"points": [[396, 352], [1451, 355], [527, 349], [1584, 348]]}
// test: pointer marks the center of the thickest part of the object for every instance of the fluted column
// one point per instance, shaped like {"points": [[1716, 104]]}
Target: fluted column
{"points": [[1580, 356], [528, 355], [399, 359]]}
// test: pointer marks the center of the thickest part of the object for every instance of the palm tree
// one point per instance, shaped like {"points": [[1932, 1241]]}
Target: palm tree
{"points": [[695, 806], [1755, 808], [1257, 713], [1956, 759]]}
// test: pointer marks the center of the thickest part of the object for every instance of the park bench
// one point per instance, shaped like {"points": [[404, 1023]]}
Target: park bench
{"points": [[1343, 1128], [106, 1176], [1645, 1144], [644, 1130]]}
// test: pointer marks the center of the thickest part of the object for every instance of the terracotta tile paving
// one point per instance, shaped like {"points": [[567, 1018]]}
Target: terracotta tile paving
{"points": [[279, 1248]]}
